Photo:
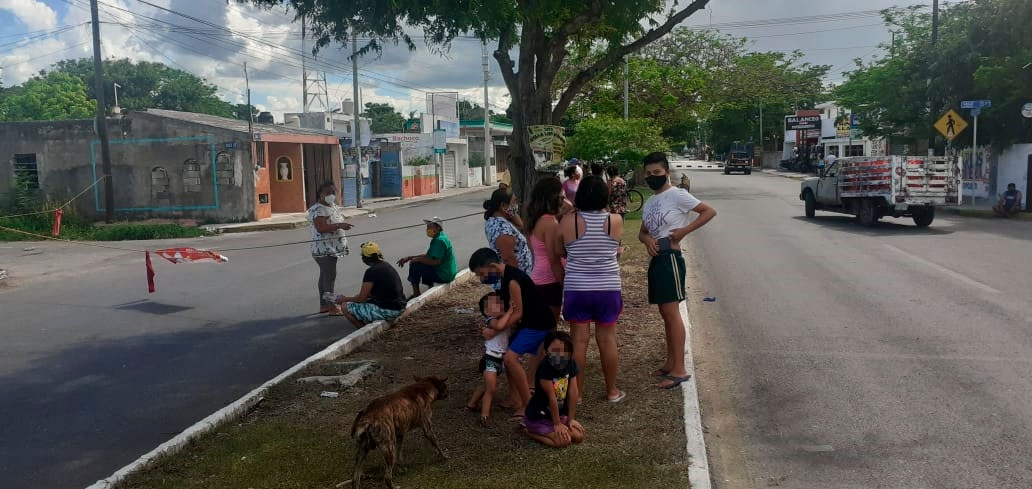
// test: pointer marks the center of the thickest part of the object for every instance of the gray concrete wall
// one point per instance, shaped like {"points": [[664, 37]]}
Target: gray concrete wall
{"points": [[150, 178]]}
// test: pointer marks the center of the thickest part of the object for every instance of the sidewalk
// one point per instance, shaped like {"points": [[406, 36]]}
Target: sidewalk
{"points": [[300, 219]]}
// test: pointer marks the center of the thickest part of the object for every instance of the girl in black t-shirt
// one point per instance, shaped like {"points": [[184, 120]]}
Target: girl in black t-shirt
{"points": [[549, 416]]}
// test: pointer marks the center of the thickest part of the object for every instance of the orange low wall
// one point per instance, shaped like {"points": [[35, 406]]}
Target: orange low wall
{"points": [[416, 186]]}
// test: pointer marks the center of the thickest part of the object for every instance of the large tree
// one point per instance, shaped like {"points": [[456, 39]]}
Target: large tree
{"points": [[705, 86], [981, 53], [543, 32], [384, 118], [53, 96], [617, 139], [146, 85]]}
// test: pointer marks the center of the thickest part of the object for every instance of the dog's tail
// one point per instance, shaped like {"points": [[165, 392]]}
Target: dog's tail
{"points": [[362, 431]]}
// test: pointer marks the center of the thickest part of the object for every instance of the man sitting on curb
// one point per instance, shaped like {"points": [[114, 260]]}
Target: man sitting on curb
{"points": [[437, 265], [1010, 202], [382, 297]]}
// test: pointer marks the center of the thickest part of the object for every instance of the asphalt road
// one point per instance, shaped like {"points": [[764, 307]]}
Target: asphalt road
{"points": [[843, 357], [94, 371]]}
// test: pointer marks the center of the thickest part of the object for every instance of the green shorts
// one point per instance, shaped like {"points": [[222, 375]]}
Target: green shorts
{"points": [[367, 312], [666, 277]]}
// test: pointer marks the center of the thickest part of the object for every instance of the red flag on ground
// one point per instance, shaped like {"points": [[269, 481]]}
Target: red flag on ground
{"points": [[190, 255], [57, 223], [150, 275]]}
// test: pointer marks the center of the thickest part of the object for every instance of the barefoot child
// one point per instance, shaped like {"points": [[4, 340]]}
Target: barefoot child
{"points": [[495, 331], [549, 419]]}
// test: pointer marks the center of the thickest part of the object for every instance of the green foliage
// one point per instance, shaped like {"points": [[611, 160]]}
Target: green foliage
{"points": [[385, 119], [980, 54], [147, 85], [420, 161], [49, 97], [545, 33], [704, 86], [617, 139]]}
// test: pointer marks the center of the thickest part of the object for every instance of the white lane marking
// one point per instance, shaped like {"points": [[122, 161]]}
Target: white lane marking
{"points": [[698, 464], [945, 271]]}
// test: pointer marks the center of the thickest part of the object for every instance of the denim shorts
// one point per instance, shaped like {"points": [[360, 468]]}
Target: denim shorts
{"points": [[600, 307]]}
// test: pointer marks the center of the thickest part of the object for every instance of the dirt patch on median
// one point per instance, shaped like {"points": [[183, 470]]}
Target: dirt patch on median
{"points": [[296, 439]]}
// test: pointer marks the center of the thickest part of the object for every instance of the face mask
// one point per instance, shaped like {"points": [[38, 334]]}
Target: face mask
{"points": [[558, 361], [490, 279], [656, 182], [330, 199]]}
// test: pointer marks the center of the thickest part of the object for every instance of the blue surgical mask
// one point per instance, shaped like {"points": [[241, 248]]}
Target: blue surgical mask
{"points": [[490, 279]]}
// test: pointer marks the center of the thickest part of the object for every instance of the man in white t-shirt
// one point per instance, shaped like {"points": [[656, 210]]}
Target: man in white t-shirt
{"points": [[666, 220]]}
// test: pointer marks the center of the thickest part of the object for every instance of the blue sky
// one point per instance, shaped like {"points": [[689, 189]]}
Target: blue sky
{"points": [[33, 39]]}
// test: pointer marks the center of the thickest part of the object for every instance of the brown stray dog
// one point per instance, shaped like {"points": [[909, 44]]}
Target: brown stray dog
{"points": [[384, 422]]}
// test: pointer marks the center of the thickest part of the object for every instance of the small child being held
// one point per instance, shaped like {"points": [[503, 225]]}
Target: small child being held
{"points": [[495, 331]]}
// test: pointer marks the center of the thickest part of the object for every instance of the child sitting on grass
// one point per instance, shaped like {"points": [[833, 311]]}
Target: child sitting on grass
{"points": [[549, 418], [495, 331]]}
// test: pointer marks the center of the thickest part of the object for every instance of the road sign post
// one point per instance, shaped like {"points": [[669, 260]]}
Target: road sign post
{"points": [[976, 107]]}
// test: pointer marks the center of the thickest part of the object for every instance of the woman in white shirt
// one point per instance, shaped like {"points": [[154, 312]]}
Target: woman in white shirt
{"points": [[328, 243], [665, 222]]}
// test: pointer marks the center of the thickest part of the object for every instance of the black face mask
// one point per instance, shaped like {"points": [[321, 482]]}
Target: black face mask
{"points": [[656, 182]]}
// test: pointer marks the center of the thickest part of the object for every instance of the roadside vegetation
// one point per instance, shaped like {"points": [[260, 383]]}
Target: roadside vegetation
{"points": [[297, 439], [35, 217]]}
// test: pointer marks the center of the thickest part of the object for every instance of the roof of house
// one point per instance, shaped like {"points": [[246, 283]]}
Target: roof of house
{"points": [[234, 124]]}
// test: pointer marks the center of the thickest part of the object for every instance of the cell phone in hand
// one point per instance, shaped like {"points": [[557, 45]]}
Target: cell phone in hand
{"points": [[664, 243]]}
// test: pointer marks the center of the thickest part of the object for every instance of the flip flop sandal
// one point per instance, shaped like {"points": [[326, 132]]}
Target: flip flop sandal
{"points": [[617, 399], [675, 381], [484, 421]]}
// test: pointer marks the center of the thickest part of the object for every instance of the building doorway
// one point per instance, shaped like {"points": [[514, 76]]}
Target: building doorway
{"points": [[1028, 185]]}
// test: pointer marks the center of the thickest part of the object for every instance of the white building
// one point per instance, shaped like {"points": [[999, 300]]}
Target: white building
{"points": [[836, 138]]}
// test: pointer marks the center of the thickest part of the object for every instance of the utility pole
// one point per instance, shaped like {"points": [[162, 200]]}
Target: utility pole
{"points": [[304, 70], [250, 113], [928, 89], [761, 127], [101, 119], [626, 104], [487, 114], [357, 130]]}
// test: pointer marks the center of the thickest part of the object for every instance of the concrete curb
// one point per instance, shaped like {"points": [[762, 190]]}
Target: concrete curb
{"points": [[792, 176], [698, 462], [244, 405], [983, 213]]}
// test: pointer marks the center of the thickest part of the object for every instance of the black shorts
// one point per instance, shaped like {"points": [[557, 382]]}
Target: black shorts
{"points": [[492, 363], [552, 294]]}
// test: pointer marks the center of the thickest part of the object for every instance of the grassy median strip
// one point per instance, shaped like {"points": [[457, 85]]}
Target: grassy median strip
{"points": [[297, 439]]}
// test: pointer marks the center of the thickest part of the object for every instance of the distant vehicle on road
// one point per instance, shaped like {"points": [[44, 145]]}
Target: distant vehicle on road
{"points": [[874, 187], [738, 161]]}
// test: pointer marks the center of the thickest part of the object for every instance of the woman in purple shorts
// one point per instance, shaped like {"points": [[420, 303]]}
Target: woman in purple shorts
{"points": [[592, 289], [546, 204]]}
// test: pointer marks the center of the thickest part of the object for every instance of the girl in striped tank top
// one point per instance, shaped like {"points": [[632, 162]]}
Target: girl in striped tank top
{"points": [[592, 288]]}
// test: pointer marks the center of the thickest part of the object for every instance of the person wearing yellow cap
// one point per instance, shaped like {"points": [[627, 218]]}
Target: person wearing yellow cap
{"points": [[382, 297]]}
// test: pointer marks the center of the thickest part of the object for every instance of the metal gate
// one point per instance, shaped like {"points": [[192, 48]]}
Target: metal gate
{"points": [[449, 170]]}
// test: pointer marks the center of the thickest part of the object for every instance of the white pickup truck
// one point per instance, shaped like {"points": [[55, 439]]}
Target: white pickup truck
{"points": [[874, 187]]}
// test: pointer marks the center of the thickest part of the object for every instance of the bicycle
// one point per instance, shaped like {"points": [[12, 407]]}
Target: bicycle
{"points": [[635, 199]]}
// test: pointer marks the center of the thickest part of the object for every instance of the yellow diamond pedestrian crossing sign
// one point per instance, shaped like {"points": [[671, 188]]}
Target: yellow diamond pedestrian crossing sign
{"points": [[951, 125]]}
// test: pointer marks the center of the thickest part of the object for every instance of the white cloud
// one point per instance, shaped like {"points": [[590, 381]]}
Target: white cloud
{"points": [[269, 42], [34, 14]]}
